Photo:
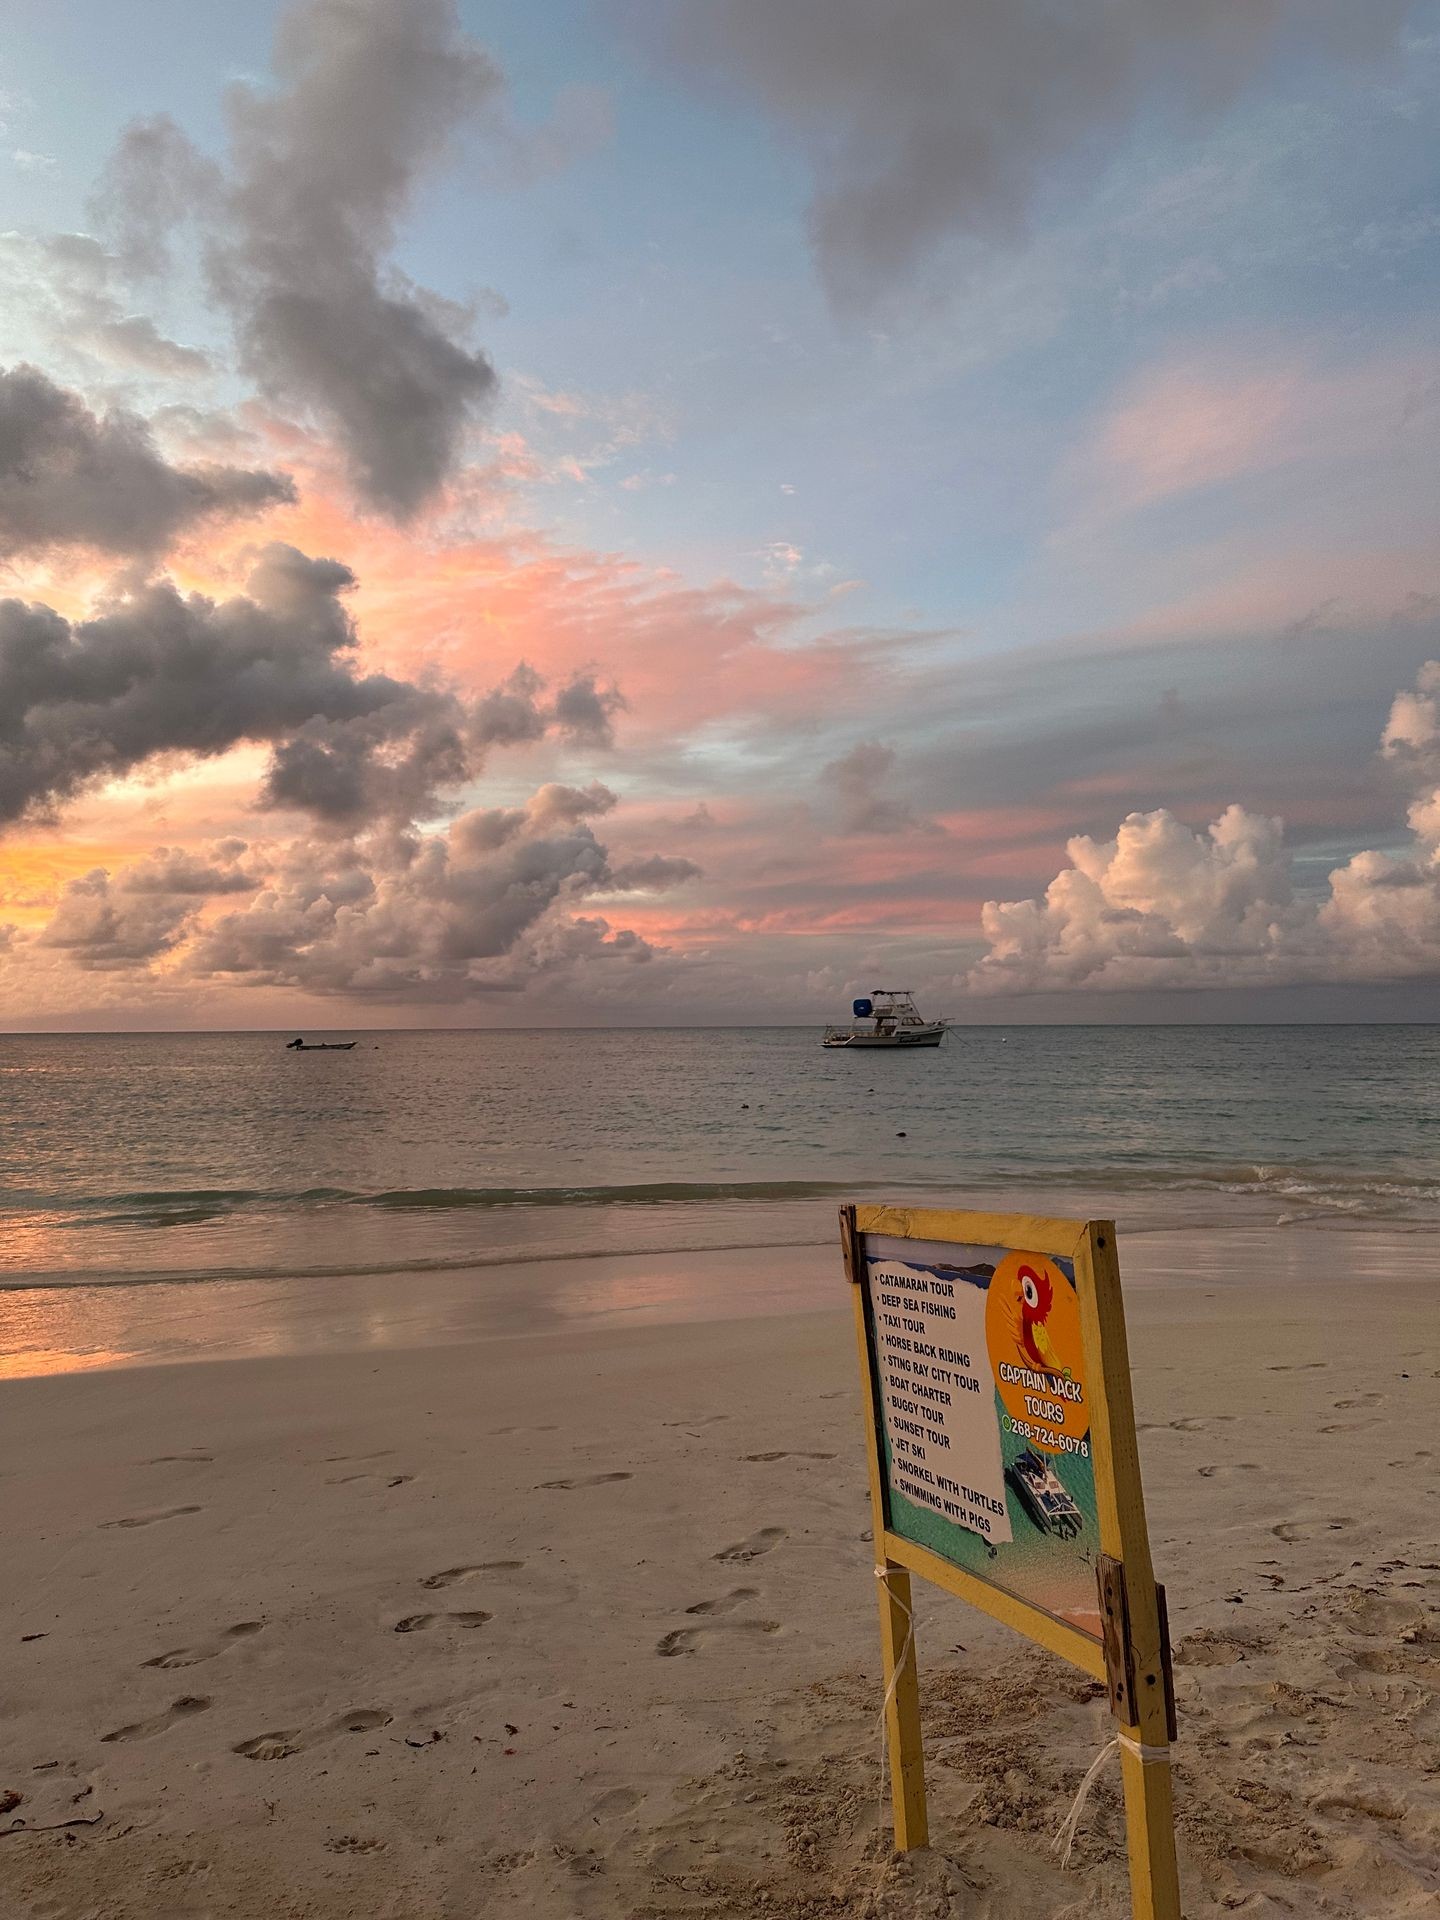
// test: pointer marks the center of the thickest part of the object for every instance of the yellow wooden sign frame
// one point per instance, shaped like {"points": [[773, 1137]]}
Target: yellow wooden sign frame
{"points": [[1134, 1660]]}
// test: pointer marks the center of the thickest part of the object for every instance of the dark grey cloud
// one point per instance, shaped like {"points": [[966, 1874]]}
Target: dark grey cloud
{"points": [[160, 672], [156, 181], [105, 934], [398, 761], [931, 119], [585, 712], [393, 763], [482, 907], [555, 802], [859, 779], [509, 714], [368, 98], [175, 870], [116, 923], [486, 828], [70, 477], [653, 874]]}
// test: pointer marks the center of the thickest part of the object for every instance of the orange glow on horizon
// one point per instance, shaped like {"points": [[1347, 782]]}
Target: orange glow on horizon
{"points": [[33, 876]]}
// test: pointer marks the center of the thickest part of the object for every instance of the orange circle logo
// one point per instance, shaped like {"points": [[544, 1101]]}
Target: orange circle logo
{"points": [[1032, 1331]]}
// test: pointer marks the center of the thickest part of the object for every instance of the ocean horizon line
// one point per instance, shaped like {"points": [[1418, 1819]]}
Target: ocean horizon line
{"points": [[702, 1026]]}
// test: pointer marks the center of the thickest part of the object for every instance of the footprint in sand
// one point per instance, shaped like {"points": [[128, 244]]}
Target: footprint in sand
{"points": [[288, 1741], [1360, 1400], [765, 1541], [551, 1429], [449, 1576], [782, 1454], [421, 1622], [585, 1480], [149, 1519], [334, 1459], [208, 1649], [1400, 1662], [689, 1639], [344, 1479], [1240, 1466], [727, 1602], [182, 1709], [1191, 1423], [1294, 1531], [1348, 1426], [1371, 1806], [195, 1458], [701, 1420], [617, 1800], [1206, 1648], [1297, 1366]]}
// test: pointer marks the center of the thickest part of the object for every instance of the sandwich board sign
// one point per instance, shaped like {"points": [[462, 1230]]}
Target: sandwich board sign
{"points": [[1003, 1468]]}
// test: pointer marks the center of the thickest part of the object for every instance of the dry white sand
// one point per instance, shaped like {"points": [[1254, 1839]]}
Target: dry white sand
{"points": [[582, 1622]]}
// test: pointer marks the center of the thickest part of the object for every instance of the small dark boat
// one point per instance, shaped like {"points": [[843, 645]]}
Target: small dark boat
{"points": [[318, 1046]]}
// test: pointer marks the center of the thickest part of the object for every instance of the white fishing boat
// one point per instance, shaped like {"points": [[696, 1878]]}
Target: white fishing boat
{"points": [[888, 1017]]}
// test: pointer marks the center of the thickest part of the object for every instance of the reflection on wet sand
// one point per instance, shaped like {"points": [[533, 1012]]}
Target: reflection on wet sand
{"points": [[76, 1329]]}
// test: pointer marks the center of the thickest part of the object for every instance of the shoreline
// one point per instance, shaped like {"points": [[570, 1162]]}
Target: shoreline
{"points": [[579, 1620], [214, 1237], [81, 1327]]}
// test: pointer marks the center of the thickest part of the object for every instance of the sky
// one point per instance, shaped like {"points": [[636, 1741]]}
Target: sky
{"points": [[671, 511]]}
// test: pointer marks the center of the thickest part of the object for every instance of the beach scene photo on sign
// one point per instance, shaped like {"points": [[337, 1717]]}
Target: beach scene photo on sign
{"points": [[978, 1362]]}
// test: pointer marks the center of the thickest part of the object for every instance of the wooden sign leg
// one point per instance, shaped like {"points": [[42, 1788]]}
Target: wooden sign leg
{"points": [[1150, 1826], [1132, 1608], [897, 1627], [902, 1710]]}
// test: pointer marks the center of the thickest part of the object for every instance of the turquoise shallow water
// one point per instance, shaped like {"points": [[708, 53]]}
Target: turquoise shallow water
{"points": [[207, 1156]]}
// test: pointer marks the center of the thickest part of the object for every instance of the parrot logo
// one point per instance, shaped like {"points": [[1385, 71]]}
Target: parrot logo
{"points": [[1037, 1296]]}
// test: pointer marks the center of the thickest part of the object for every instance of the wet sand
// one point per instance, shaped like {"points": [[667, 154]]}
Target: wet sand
{"points": [[446, 1613]]}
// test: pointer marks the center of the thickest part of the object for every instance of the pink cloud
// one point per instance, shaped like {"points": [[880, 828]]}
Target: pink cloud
{"points": [[1224, 414], [1188, 426], [470, 603]]}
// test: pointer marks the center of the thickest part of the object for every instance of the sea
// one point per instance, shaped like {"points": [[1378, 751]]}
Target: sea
{"points": [[201, 1158]]}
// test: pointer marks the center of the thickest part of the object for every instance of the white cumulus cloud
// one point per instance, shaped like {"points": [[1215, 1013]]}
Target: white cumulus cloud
{"points": [[1163, 906]]}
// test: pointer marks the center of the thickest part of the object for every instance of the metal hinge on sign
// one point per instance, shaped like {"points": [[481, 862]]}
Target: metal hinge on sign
{"points": [[1115, 1633], [850, 1246], [1120, 1653], [1167, 1666]]}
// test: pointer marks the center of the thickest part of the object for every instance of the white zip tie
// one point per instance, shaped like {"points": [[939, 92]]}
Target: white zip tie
{"points": [[1141, 1751], [1064, 1840]]}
